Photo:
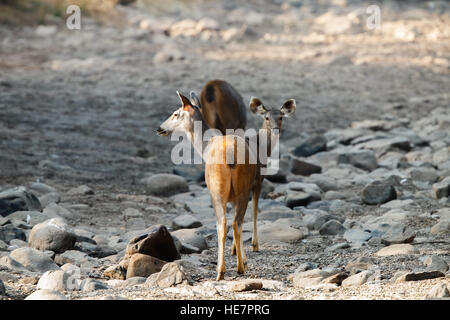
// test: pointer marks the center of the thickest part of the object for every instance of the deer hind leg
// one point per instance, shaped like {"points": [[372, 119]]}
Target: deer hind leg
{"points": [[255, 198], [221, 237], [240, 209]]}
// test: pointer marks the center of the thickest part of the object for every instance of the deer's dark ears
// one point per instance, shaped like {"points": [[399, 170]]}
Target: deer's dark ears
{"points": [[195, 100], [185, 103], [288, 108], [256, 106]]}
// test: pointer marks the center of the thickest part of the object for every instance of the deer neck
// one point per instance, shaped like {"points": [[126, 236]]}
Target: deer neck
{"points": [[196, 132], [272, 138]]}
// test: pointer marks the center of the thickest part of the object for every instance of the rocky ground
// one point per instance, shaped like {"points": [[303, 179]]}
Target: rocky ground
{"points": [[359, 210]]}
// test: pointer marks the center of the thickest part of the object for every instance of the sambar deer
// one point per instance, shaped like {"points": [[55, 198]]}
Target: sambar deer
{"points": [[221, 105], [229, 179], [228, 182], [270, 132]]}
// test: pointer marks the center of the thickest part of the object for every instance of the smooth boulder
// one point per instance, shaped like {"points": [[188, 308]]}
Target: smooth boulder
{"points": [[34, 260], [378, 192], [165, 184], [53, 234]]}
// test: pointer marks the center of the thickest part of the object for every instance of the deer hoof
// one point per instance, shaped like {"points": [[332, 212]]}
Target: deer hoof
{"points": [[220, 276]]}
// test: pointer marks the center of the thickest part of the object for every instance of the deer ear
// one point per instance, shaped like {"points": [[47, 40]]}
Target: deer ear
{"points": [[288, 108], [185, 103], [256, 106], [195, 100]]}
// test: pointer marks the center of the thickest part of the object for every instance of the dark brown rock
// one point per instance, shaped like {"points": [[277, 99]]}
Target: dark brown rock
{"points": [[422, 275], [157, 243], [304, 168]]}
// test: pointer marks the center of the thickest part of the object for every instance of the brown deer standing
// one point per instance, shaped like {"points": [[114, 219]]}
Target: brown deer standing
{"points": [[221, 105], [228, 182], [271, 127]]}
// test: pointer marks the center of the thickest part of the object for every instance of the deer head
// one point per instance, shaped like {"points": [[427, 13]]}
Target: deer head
{"points": [[273, 118], [182, 119]]}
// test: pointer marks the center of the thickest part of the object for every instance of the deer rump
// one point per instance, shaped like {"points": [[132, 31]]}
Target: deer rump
{"points": [[230, 167]]}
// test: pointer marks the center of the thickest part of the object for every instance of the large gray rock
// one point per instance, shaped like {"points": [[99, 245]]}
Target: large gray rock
{"points": [[71, 256], [90, 284], [300, 198], [397, 234], [41, 188], [32, 217], [363, 159], [10, 232], [172, 274], [18, 199], [46, 295], [357, 235], [310, 146], [54, 209], [332, 227], [277, 212], [191, 237], [301, 194], [49, 198], [276, 231], [357, 279], [10, 263], [424, 174], [165, 184], [17, 243], [53, 234], [435, 263], [314, 218], [57, 280], [34, 260], [185, 221], [378, 192], [442, 189]]}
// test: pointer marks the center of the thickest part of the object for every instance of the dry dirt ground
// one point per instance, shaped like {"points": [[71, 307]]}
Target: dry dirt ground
{"points": [[81, 106]]}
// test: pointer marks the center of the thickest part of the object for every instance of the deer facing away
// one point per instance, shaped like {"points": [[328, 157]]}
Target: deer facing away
{"points": [[228, 182], [221, 105]]}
